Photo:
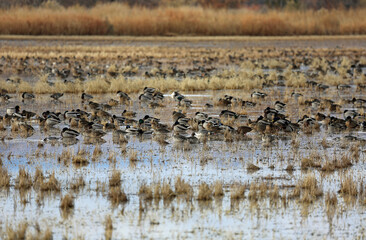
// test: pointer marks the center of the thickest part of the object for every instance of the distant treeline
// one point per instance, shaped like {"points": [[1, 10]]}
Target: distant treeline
{"points": [[256, 4]]}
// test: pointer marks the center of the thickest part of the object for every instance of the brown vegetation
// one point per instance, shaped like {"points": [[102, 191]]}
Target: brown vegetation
{"points": [[119, 19], [67, 202]]}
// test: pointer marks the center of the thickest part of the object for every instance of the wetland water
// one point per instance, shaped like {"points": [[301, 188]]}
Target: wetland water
{"points": [[278, 183]]}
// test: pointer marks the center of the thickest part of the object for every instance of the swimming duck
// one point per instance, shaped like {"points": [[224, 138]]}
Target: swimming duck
{"points": [[28, 96], [228, 114], [86, 97], [69, 133], [56, 96], [12, 110], [257, 94]]}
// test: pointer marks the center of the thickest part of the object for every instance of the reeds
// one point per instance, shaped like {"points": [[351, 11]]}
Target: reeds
{"points": [[67, 203], [4, 178], [120, 19]]}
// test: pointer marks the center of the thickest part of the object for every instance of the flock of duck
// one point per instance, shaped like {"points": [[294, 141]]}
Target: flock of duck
{"points": [[96, 119]]}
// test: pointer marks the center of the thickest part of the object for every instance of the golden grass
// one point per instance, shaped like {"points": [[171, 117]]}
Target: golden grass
{"points": [[120, 19], [4, 178], [67, 202], [218, 190], [146, 192], [108, 228], [24, 180], [51, 185], [117, 196], [115, 179], [237, 191], [204, 192], [183, 188], [17, 233], [349, 186]]}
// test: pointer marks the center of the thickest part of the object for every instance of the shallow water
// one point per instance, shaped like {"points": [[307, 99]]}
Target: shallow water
{"points": [[215, 160]]}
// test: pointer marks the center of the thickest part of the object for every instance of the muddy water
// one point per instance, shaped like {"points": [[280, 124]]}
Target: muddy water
{"points": [[211, 161]]}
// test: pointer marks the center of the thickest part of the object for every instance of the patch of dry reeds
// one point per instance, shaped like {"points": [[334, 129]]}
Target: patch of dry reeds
{"points": [[120, 19]]}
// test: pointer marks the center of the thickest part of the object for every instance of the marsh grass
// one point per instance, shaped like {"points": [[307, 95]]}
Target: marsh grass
{"points": [[4, 178], [117, 196], [349, 187], [51, 185], [146, 192], [77, 183], [24, 180], [17, 233], [182, 188], [204, 192], [115, 179], [67, 202], [108, 228], [238, 191], [80, 159], [218, 190]]}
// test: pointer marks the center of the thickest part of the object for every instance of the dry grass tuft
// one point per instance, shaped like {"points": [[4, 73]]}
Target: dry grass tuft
{"points": [[4, 178], [349, 187], [183, 188], [115, 179], [146, 192], [108, 228], [80, 159], [237, 191], [330, 199], [67, 202], [17, 234], [204, 192], [24, 180], [218, 189], [51, 185], [308, 163], [133, 155], [77, 183], [117, 196], [167, 192]]}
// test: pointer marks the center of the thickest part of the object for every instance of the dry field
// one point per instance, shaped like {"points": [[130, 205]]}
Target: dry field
{"points": [[119, 19], [263, 138]]}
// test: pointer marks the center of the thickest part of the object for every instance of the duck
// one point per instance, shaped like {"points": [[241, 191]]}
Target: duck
{"points": [[358, 102], [112, 102], [28, 114], [126, 113], [228, 114], [56, 96], [177, 114], [242, 130], [12, 110], [69, 133], [72, 114], [350, 113], [52, 121], [123, 97], [257, 94], [27, 96], [179, 128], [86, 97], [279, 106]]}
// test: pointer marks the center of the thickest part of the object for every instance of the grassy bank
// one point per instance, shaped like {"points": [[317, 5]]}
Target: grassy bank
{"points": [[118, 19]]}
